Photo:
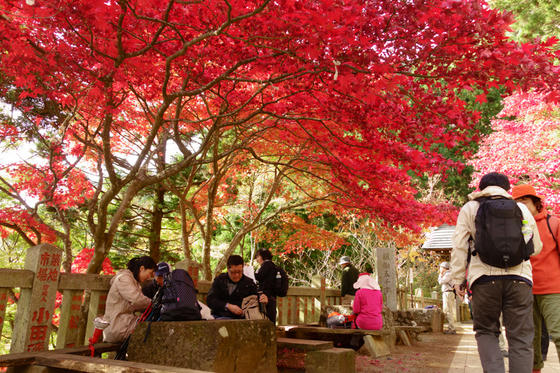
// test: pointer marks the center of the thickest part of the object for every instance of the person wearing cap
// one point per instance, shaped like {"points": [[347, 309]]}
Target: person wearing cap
{"points": [[448, 295], [368, 303], [349, 276], [496, 290], [546, 272], [150, 289]]}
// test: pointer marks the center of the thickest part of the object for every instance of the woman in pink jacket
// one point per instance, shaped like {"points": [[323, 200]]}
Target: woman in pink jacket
{"points": [[368, 303]]}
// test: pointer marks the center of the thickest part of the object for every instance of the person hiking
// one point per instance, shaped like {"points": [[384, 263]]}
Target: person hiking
{"points": [[505, 286], [546, 272], [448, 296], [349, 276], [125, 297]]}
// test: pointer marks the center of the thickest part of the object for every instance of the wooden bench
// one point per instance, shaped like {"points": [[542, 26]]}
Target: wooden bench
{"points": [[27, 358], [73, 360], [77, 363]]}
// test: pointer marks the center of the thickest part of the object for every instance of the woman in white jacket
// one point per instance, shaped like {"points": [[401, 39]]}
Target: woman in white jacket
{"points": [[125, 297]]}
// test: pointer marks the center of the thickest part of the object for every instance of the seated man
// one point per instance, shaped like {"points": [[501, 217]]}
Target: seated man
{"points": [[229, 289]]}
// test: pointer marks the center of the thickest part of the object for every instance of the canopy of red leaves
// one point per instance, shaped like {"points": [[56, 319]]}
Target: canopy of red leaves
{"points": [[525, 145], [357, 92]]}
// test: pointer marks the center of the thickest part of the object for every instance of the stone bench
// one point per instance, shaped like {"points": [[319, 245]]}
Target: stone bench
{"points": [[221, 346]]}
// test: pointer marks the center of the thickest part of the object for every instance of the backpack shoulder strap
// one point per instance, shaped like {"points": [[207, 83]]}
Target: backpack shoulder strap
{"points": [[550, 229]]}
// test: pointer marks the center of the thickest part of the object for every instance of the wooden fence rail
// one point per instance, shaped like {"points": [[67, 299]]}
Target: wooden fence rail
{"points": [[40, 282]]}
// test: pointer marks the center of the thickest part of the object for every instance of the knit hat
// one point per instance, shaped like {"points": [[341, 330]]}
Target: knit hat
{"points": [[365, 281], [444, 265], [162, 269], [523, 190]]}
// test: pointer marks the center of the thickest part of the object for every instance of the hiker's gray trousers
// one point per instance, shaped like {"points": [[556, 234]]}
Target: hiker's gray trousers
{"points": [[514, 299]]}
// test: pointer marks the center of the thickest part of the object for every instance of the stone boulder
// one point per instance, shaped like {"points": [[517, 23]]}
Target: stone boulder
{"points": [[431, 318], [221, 346]]}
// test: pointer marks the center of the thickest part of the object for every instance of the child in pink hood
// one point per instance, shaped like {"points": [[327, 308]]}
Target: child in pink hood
{"points": [[368, 303]]}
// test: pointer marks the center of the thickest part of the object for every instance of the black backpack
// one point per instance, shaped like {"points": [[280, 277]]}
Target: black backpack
{"points": [[499, 238], [179, 301], [281, 282]]}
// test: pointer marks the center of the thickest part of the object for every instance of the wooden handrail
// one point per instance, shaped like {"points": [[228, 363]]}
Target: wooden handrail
{"points": [[301, 305]]}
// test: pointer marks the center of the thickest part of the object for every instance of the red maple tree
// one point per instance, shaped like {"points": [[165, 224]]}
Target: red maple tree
{"points": [[525, 145], [353, 94]]}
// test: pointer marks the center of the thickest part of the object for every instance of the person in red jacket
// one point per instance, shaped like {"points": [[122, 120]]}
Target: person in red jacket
{"points": [[546, 271]]}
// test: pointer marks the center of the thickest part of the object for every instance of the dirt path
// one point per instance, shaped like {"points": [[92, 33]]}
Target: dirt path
{"points": [[439, 353]]}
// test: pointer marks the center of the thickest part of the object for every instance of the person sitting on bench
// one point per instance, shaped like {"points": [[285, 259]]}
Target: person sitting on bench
{"points": [[228, 290], [368, 303], [125, 297]]}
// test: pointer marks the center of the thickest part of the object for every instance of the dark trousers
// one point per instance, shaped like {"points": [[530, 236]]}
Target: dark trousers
{"points": [[514, 299], [545, 340], [271, 309], [546, 307]]}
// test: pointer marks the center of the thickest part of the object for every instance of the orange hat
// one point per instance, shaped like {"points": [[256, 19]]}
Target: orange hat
{"points": [[523, 190]]}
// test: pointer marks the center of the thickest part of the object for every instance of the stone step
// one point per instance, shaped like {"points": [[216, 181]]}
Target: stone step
{"points": [[303, 344], [332, 360]]}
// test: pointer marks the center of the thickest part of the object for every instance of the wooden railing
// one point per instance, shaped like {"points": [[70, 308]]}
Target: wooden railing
{"points": [[84, 296], [39, 283]]}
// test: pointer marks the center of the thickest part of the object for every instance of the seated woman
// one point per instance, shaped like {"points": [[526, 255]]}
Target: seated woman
{"points": [[368, 303], [125, 297]]}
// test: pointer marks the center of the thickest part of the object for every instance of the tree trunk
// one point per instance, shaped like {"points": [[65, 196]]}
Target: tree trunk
{"points": [[184, 230], [157, 217]]}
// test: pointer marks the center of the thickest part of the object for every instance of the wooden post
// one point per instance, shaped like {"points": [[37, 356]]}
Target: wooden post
{"points": [[387, 276], [36, 305], [193, 271], [96, 308], [191, 267], [70, 312], [323, 296], [3, 302]]}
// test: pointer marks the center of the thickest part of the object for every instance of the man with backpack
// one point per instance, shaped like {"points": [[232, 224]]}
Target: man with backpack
{"points": [[228, 290], [495, 236], [271, 281], [173, 294], [546, 273]]}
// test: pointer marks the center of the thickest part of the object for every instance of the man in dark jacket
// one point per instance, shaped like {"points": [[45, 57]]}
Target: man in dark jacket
{"points": [[266, 278], [228, 290], [349, 277]]}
